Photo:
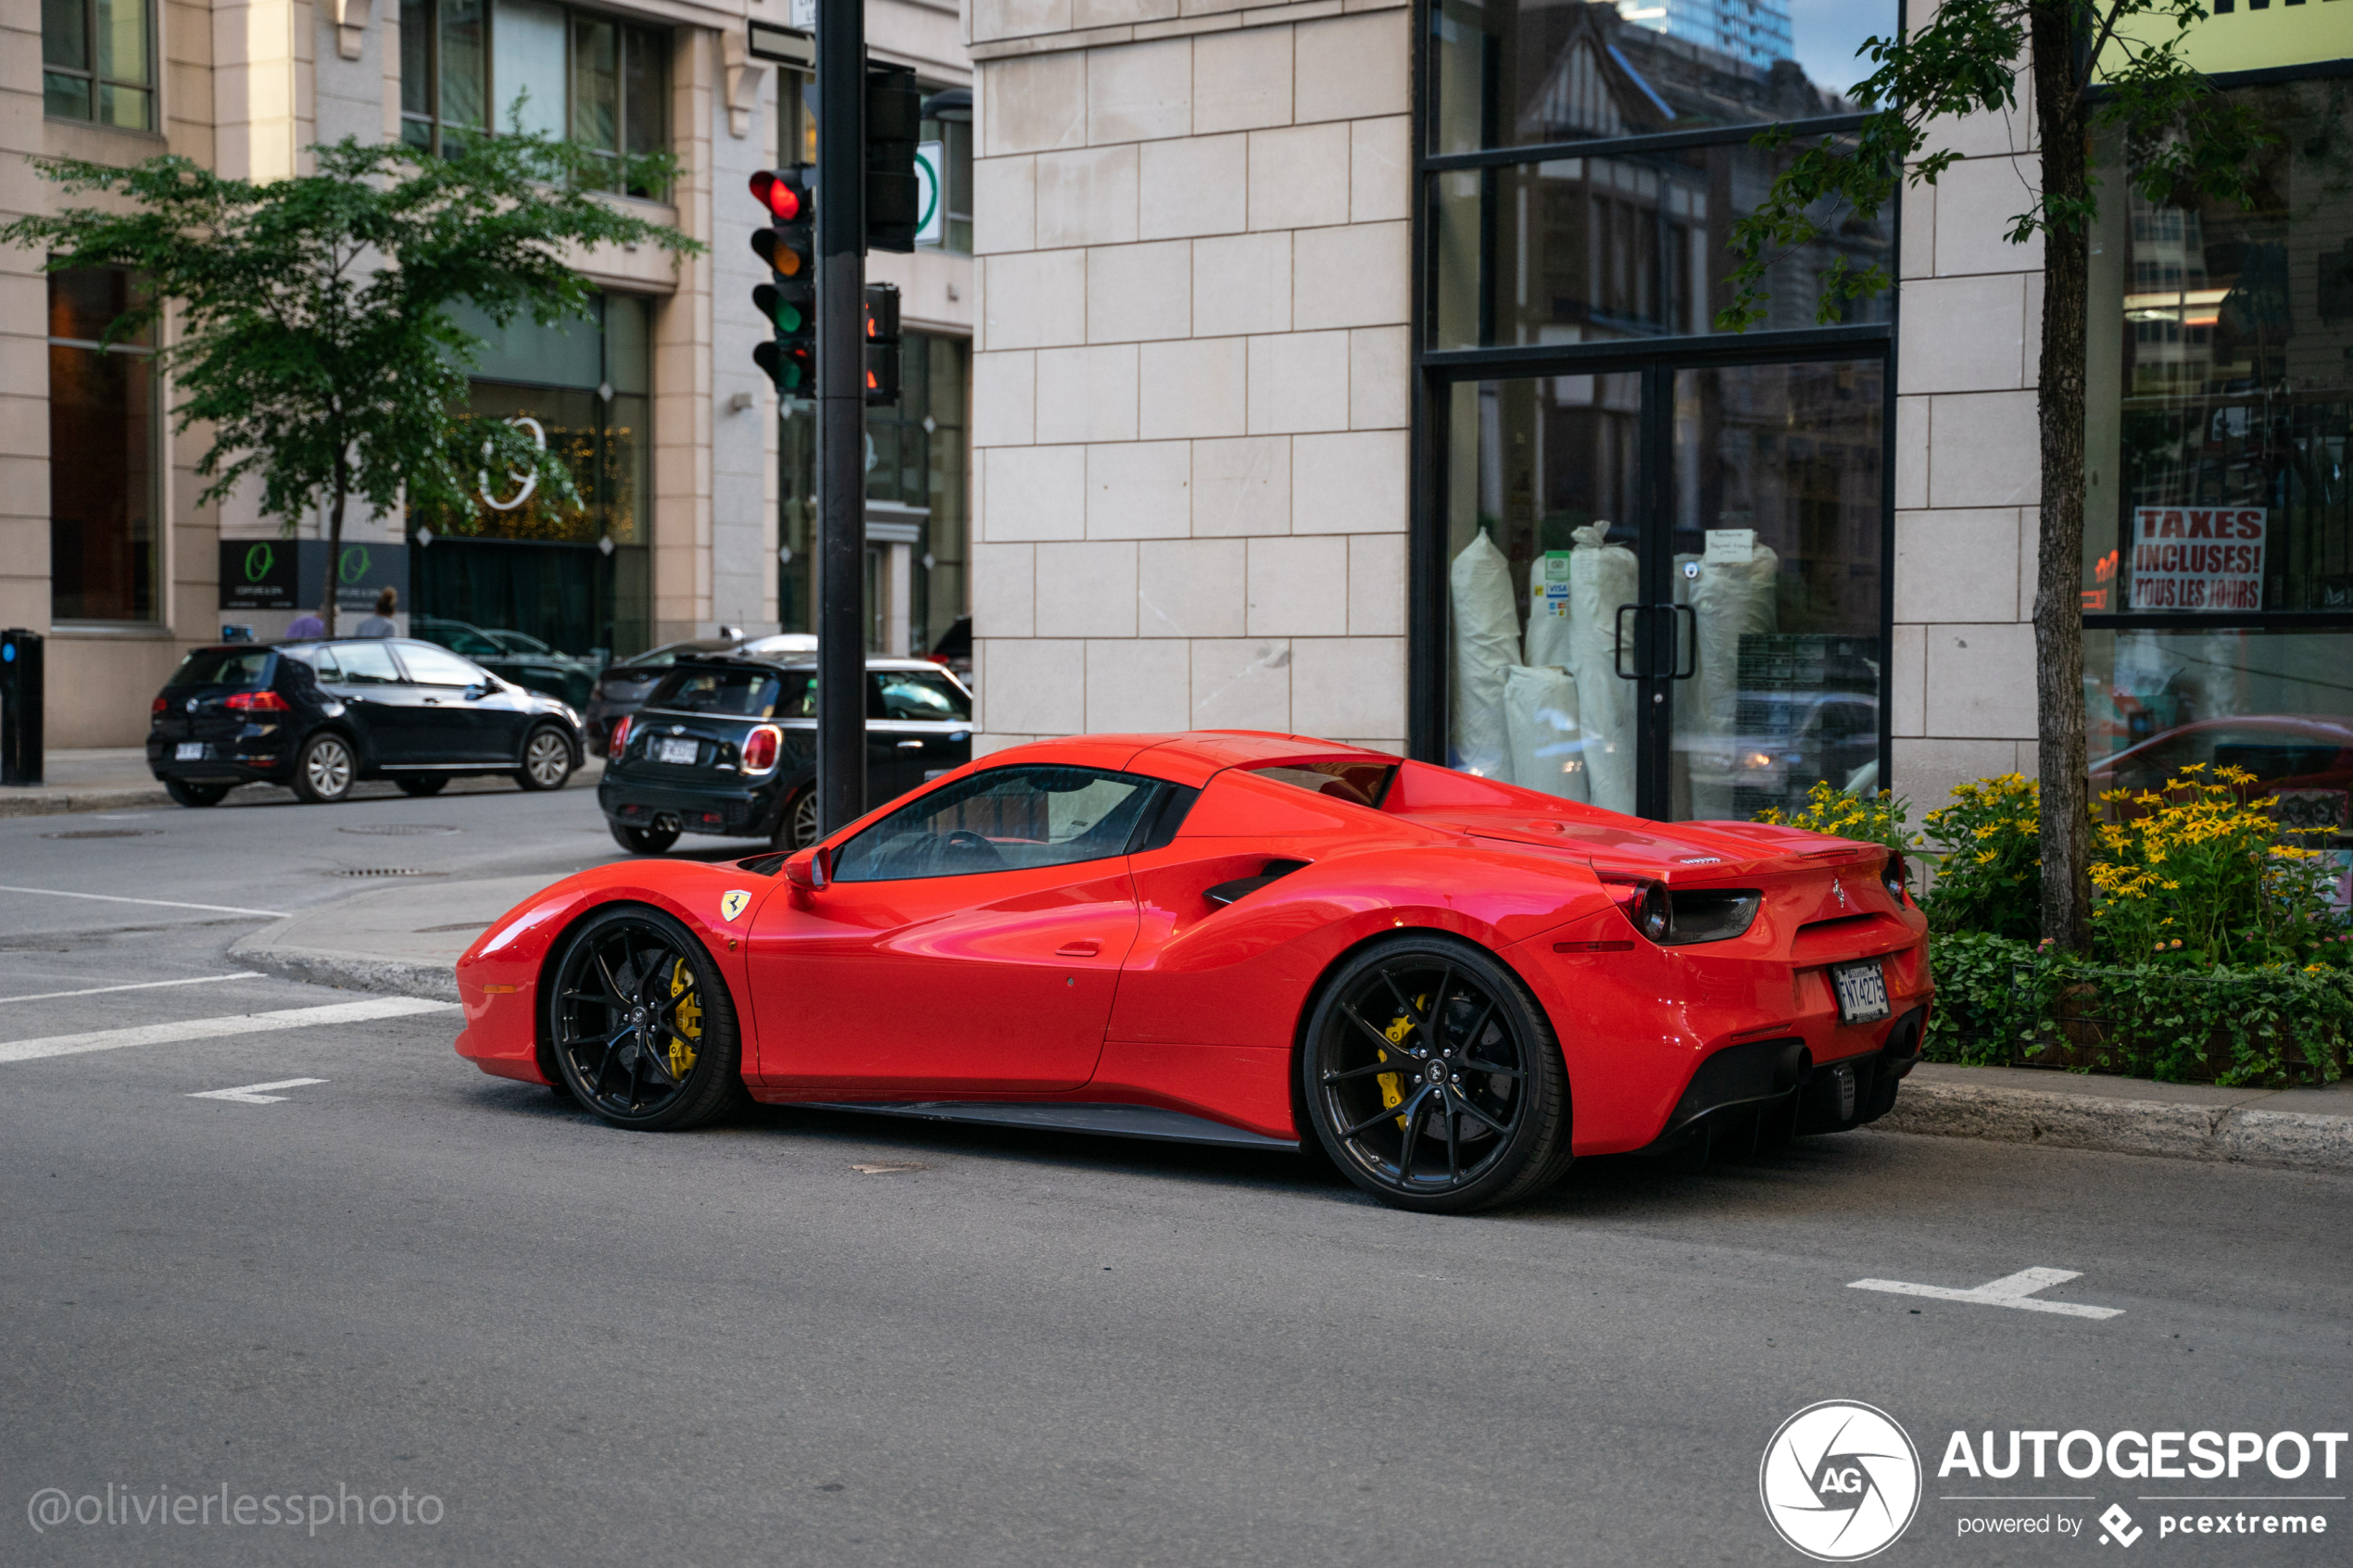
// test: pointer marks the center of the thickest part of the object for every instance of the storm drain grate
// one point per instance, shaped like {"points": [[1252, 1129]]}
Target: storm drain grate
{"points": [[383, 871], [401, 830], [108, 832]]}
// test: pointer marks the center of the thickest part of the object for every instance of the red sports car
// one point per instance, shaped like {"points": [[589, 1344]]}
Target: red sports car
{"points": [[1450, 986]]}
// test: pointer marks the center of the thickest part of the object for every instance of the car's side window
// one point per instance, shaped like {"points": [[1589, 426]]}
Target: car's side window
{"points": [[366, 664], [323, 662], [914, 694], [429, 666], [1003, 819]]}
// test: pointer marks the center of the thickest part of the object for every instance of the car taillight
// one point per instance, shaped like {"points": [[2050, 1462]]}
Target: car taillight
{"points": [[1893, 874], [760, 747], [157, 705], [619, 736], [257, 702], [1644, 904]]}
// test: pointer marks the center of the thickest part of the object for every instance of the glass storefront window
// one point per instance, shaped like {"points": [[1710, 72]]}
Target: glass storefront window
{"points": [[2231, 400], [103, 548], [1525, 72], [1594, 249]]}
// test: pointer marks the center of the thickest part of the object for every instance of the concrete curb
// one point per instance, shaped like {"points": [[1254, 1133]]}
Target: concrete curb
{"points": [[2287, 1139], [345, 971], [51, 804]]}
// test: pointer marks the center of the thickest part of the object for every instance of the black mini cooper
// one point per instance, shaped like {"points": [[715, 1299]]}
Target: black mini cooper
{"points": [[728, 745], [321, 716]]}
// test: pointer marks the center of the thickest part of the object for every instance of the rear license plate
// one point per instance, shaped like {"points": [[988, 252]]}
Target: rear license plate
{"points": [[189, 751], [1862, 991], [681, 751]]}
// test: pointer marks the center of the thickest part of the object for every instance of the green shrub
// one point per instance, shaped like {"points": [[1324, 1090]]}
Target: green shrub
{"points": [[1989, 868]]}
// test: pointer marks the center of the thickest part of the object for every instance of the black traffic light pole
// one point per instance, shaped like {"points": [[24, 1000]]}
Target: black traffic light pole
{"points": [[841, 413]]}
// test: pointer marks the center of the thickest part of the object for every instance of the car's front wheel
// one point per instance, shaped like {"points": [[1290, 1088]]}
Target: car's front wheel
{"points": [[643, 1026], [188, 794], [1433, 1079], [325, 769], [546, 759]]}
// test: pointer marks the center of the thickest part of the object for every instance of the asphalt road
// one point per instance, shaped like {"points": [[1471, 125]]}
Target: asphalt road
{"points": [[404, 1281]]}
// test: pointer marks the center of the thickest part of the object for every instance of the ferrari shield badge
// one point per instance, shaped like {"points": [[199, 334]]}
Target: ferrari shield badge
{"points": [[732, 902]]}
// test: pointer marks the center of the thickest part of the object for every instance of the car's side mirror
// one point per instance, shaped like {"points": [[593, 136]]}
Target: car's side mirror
{"points": [[478, 690], [810, 870]]}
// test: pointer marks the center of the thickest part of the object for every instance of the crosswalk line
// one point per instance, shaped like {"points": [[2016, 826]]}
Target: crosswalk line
{"points": [[371, 1010]]}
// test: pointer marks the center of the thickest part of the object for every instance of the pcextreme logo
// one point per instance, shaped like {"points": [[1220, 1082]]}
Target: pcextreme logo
{"points": [[1840, 1481]]}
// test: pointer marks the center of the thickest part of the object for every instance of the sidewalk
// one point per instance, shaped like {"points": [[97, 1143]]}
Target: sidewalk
{"points": [[406, 939], [116, 779]]}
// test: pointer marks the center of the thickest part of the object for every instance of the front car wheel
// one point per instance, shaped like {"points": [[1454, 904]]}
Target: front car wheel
{"points": [[643, 1026], [1433, 1079]]}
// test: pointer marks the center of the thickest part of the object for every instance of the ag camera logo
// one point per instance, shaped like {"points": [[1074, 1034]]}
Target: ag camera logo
{"points": [[1840, 1481]]}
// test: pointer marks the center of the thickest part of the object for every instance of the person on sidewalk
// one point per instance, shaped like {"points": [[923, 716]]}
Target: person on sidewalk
{"points": [[380, 624], [306, 624]]}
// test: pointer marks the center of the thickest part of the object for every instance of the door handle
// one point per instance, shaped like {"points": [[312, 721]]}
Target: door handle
{"points": [[911, 746], [1618, 647], [1674, 664], [1085, 948]]}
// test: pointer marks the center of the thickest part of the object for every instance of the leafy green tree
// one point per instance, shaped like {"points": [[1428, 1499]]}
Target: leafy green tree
{"points": [[2104, 73], [310, 324]]}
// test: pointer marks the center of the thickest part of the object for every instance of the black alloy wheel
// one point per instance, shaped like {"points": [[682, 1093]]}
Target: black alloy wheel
{"points": [[642, 841], [421, 784], [798, 828], [1433, 1079], [325, 769], [644, 1028], [547, 758], [196, 793]]}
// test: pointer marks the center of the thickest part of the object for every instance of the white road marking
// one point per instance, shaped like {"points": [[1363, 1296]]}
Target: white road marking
{"points": [[214, 1028], [140, 985], [157, 903], [251, 1093], [2011, 1291]]}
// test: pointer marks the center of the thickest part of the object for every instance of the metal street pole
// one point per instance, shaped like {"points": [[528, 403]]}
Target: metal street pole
{"points": [[842, 411]]}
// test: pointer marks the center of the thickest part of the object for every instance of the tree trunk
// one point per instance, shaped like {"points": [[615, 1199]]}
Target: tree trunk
{"points": [[334, 549], [2058, 616]]}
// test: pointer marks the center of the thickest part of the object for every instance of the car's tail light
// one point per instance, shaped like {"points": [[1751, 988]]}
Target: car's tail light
{"points": [[157, 705], [257, 702], [1893, 874], [760, 747], [619, 736], [1645, 906]]}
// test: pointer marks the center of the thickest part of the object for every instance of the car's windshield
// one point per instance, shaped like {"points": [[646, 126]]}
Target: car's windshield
{"points": [[916, 694], [246, 668], [741, 693], [1006, 819], [1362, 783]]}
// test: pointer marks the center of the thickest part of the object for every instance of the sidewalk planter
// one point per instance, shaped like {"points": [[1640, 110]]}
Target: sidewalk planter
{"points": [[2002, 1002]]}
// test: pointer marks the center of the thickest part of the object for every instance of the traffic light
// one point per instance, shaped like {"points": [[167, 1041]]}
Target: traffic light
{"points": [[789, 300], [894, 125], [882, 343]]}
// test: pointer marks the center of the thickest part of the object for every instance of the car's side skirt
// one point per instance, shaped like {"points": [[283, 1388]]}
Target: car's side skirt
{"points": [[1111, 1120]]}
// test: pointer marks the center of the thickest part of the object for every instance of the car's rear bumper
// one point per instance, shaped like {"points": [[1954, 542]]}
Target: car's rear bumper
{"points": [[749, 812], [232, 761]]}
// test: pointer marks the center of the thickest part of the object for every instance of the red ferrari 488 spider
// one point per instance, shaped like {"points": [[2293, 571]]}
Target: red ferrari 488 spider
{"points": [[1450, 986]]}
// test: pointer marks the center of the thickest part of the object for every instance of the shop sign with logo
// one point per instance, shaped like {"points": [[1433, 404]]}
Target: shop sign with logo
{"points": [[2199, 557], [292, 573]]}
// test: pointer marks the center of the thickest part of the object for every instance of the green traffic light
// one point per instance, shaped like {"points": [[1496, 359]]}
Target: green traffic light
{"points": [[787, 318]]}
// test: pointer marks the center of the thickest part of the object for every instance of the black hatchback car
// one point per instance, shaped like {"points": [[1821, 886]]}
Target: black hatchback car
{"points": [[728, 745], [321, 716]]}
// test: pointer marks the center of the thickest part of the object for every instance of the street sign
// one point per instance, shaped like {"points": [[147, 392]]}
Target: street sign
{"points": [[931, 225]]}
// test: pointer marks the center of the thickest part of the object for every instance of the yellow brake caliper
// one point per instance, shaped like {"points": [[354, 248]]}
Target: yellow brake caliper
{"points": [[687, 1024], [1392, 1092]]}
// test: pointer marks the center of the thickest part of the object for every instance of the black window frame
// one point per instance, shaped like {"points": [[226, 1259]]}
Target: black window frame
{"points": [[140, 345]]}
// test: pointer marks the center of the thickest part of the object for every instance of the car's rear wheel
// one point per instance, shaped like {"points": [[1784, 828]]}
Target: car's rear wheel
{"points": [[1433, 1079], [644, 1028], [325, 769], [196, 793], [797, 829], [643, 841], [546, 759], [422, 784]]}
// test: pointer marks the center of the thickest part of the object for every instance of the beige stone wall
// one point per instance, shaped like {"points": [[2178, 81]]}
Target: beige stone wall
{"points": [[1968, 472], [1190, 393]]}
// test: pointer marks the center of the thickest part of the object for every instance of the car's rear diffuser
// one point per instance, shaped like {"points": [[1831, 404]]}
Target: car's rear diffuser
{"points": [[1111, 1120]]}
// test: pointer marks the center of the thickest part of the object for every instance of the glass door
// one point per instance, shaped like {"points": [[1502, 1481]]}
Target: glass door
{"points": [[1666, 586]]}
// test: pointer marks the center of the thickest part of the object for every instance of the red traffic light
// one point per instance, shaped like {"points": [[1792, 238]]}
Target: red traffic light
{"points": [[784, 191]]}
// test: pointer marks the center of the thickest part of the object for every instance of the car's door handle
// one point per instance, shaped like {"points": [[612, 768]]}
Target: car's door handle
{"points": [[911, 746], [1085, 948]]}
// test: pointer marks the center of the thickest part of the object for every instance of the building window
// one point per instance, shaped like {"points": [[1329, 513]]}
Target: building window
{"points": [[948, 141], [98, 62], [470, 66], [104, 560]]}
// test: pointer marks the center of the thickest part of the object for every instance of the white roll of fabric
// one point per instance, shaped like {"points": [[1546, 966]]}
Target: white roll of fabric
{"points": [[1548, 613], [1486, 645], [1729, 599], [1539, 721], [1601, 577]]}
